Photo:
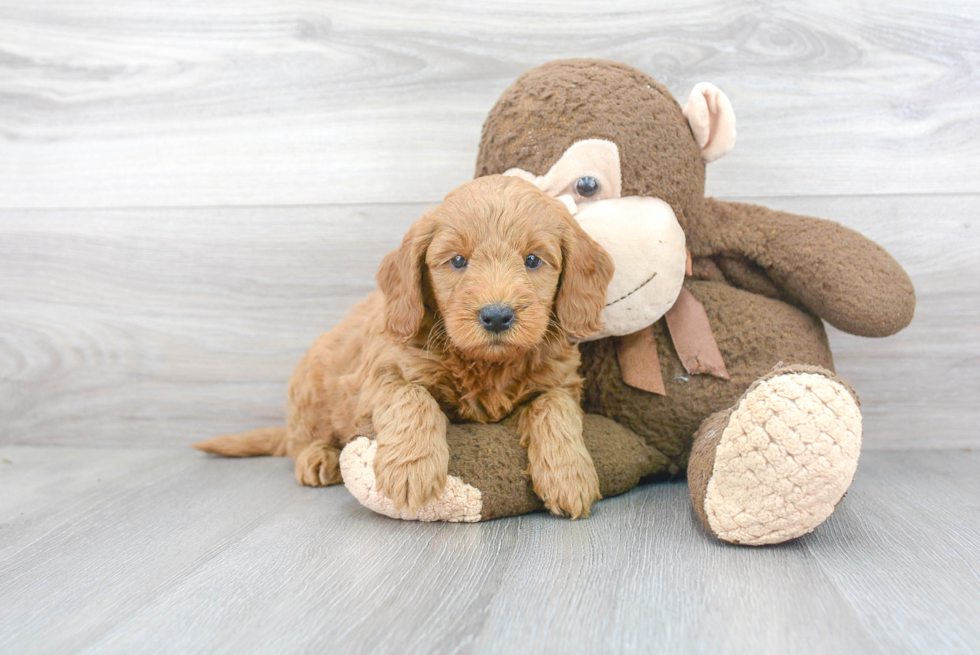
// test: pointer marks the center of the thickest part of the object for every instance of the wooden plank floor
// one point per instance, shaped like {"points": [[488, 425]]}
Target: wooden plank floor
{"points": [[110, 550]]}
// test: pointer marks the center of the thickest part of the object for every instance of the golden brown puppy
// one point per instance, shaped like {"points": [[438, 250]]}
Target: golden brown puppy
{"points": [[472, 322]]}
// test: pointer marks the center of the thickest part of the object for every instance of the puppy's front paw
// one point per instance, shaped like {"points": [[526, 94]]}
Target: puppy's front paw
{"points": [[567, 483], [411, 479]]}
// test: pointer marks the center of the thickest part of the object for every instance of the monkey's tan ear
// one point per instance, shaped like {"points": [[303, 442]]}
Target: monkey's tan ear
{"points": [[712, 120]]}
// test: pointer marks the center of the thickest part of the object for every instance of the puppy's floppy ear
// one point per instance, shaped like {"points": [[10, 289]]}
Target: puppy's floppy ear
{"points": [[586, 272], [400, 279]]}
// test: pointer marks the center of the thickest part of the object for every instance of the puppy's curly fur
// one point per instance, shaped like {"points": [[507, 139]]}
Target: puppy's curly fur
{"points": [[415, 354]]}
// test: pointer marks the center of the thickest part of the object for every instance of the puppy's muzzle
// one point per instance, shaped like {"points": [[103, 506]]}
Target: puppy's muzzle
{"points": [[496, 318]]}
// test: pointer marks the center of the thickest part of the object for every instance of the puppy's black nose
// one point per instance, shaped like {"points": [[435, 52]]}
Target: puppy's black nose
{"points": [[497, 318]]}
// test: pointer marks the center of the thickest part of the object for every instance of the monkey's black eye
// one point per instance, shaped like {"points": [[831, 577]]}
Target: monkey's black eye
{"points": [[587, 186], [532, 262], [458, 262]]}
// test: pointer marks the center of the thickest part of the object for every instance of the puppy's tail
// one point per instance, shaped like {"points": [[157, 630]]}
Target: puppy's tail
{"points": [[264, 441]]}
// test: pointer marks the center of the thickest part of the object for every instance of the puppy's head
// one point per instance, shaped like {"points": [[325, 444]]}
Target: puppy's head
{"points": [[501, 262]]}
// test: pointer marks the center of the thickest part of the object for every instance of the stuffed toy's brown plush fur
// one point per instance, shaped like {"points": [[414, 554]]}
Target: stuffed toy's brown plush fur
{"points": [[735, 386]]}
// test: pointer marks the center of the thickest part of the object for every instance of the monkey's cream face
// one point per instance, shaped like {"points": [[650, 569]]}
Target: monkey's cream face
{"points": [[642, 234], [647, 244]]}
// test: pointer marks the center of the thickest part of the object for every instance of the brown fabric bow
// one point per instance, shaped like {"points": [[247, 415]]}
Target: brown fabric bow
{"points": [[693, 340]]}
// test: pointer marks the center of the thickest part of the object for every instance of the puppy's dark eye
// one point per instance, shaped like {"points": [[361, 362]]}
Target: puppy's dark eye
{"points": [[532, 261], [458, 262], [587, 186]]}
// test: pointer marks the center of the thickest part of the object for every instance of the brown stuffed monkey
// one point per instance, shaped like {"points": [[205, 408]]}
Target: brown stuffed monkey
{"points": [[714, 359]]}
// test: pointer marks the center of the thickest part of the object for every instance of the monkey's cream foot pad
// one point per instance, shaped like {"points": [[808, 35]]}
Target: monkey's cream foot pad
{"points": [[459, 502], [785, 458]]}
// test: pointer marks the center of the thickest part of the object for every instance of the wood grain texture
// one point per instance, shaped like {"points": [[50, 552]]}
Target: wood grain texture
{"points": [[166, 326], [116, 321], [167, 550], [104, 104]]}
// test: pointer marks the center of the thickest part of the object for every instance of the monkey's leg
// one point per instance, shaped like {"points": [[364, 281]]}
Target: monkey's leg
{"points": [[487, 471]]}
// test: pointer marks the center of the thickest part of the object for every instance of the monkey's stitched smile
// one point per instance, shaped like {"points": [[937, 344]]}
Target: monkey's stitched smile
{"points": [[642, 284]]}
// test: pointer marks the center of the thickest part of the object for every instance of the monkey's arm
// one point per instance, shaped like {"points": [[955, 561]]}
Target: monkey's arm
{"points": [[841, 276]]}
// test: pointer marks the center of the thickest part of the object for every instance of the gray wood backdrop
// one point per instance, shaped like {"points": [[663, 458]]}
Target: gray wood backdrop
{"points": [[191, 192]]}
